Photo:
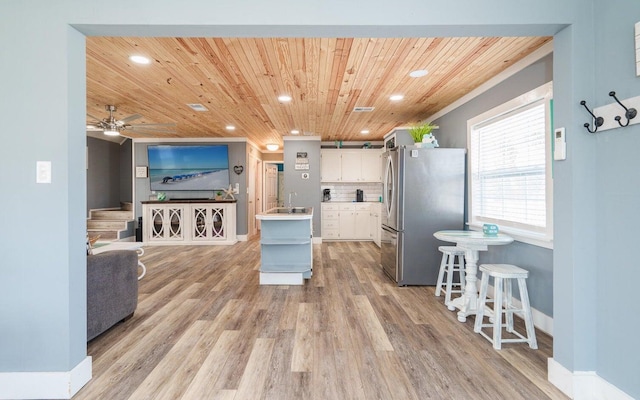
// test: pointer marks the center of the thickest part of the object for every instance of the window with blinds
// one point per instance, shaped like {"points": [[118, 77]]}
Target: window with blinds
{"points": [[509, 180]]}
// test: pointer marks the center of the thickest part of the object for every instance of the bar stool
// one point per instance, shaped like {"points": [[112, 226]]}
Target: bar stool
{"points": [[448, 265], [504, 273]]}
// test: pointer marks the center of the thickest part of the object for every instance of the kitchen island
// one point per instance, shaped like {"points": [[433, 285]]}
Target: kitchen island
{"points": [[286, 245]]}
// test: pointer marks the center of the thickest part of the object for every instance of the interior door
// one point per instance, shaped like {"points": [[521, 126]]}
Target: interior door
{"points": [[258, 191], [271, 185], [251, 196]]}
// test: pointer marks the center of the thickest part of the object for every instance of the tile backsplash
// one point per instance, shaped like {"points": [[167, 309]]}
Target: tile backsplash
{"points": [[347, 191]]}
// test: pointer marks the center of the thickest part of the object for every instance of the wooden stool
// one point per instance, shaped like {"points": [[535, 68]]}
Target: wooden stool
{"points": [[504, 273], [448, 265]]}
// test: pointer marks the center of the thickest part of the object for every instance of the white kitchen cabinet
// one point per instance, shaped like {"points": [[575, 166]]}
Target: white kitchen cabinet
{"points": [[330, 221], [347, 221], [371, 166], [352, 165], [375, 221], [347, 217], [362, 230], [330, 166]]}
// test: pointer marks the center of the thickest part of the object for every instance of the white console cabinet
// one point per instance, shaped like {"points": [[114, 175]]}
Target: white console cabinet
{"points": [[351, 165], [188, 222]]}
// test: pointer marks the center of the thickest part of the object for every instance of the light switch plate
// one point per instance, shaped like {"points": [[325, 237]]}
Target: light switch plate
{"points": [[43, 171]]}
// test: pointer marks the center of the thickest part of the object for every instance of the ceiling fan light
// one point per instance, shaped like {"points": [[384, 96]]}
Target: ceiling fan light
{"points": [[272, 147], [111, 132]]}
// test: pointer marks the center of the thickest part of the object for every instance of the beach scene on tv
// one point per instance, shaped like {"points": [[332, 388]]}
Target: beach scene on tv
{"points": [[188, 167]]}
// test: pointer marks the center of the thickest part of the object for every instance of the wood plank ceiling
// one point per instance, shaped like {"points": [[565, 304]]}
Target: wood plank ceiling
{"points": [[239, 80]]}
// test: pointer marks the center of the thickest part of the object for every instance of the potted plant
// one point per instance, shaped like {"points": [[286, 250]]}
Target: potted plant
{"points": [[219, 195], [421, 131]]}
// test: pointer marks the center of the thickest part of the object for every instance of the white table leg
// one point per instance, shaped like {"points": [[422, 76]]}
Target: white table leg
{"points": [[468, 302], [144, 269]]}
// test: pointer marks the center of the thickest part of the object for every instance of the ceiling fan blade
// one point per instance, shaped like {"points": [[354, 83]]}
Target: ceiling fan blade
{"points": [[131, 118], [94, 128]]}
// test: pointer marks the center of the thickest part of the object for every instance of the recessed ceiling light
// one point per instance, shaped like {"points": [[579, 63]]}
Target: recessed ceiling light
{"points": [[284, 98], [139, 59], [364, 131], [396, 97], [197, 107], [295, 132], [418, 73], [272, 147], [230, 127]]}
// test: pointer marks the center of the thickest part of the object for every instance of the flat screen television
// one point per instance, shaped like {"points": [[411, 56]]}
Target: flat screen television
{"points": [[180, 167]]}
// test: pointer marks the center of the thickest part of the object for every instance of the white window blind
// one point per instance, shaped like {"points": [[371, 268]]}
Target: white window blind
{"points": [[509, 179]]}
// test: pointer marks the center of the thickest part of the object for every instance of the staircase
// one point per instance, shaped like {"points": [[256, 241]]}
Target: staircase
{"points": [[112, 224]]}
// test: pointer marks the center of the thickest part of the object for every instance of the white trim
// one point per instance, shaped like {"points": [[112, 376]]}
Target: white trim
{"points": [[45, 385], [317, 240], [582, 385], [517, 235], [541, 52], [543, 93], [190, 140], [241, 238]]}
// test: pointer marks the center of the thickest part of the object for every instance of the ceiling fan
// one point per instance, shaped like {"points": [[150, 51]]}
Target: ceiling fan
{"points": [[113, 127]]}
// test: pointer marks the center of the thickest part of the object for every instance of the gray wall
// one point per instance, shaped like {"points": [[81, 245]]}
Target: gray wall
{"points": [[453, 133], [308, 190], [43, 293], [108, 173], [617, 177], [237, 155]]}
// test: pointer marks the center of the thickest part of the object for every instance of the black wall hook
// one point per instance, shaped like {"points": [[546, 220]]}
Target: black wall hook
{"points": [[629, 113], [597, 121]]}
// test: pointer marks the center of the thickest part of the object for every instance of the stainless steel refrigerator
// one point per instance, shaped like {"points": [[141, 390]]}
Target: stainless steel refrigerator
{"points": [[423, 192]]}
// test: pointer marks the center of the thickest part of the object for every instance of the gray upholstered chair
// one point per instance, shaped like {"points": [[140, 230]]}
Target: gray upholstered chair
{"points": [[112, 289]]}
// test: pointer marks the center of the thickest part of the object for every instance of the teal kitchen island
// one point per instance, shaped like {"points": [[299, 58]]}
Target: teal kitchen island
{"points": [[286, 245]]}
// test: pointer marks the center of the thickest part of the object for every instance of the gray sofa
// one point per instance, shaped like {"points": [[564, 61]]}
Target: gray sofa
{"points": [[112, 289]]}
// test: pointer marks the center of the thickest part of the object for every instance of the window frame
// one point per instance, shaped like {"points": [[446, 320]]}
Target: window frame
{"points": [[542, 93]]}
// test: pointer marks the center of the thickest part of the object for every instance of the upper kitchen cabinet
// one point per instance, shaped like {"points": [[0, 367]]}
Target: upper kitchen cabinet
{"points": [[354, 165]]}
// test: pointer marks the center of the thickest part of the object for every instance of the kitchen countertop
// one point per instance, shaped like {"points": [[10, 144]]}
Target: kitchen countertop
{"points": [[269, 215]]}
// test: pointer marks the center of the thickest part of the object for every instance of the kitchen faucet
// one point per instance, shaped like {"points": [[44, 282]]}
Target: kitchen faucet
{"points": [[291, 193]]}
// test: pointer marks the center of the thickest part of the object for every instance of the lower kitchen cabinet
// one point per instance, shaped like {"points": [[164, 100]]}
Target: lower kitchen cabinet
{"points": [[349, 221]]}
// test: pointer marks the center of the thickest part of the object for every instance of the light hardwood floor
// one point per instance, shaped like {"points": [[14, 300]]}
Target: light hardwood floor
{"points": [[205, 329]]}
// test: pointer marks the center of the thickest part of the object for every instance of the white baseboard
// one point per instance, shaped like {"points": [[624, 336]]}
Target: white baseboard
{"points": [[317, 240], [241, 238], [582, 385], [45, 385]]}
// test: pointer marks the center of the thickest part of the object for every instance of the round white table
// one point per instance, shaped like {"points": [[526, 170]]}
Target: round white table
{"points": [[137, 246], [472, 242]]}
